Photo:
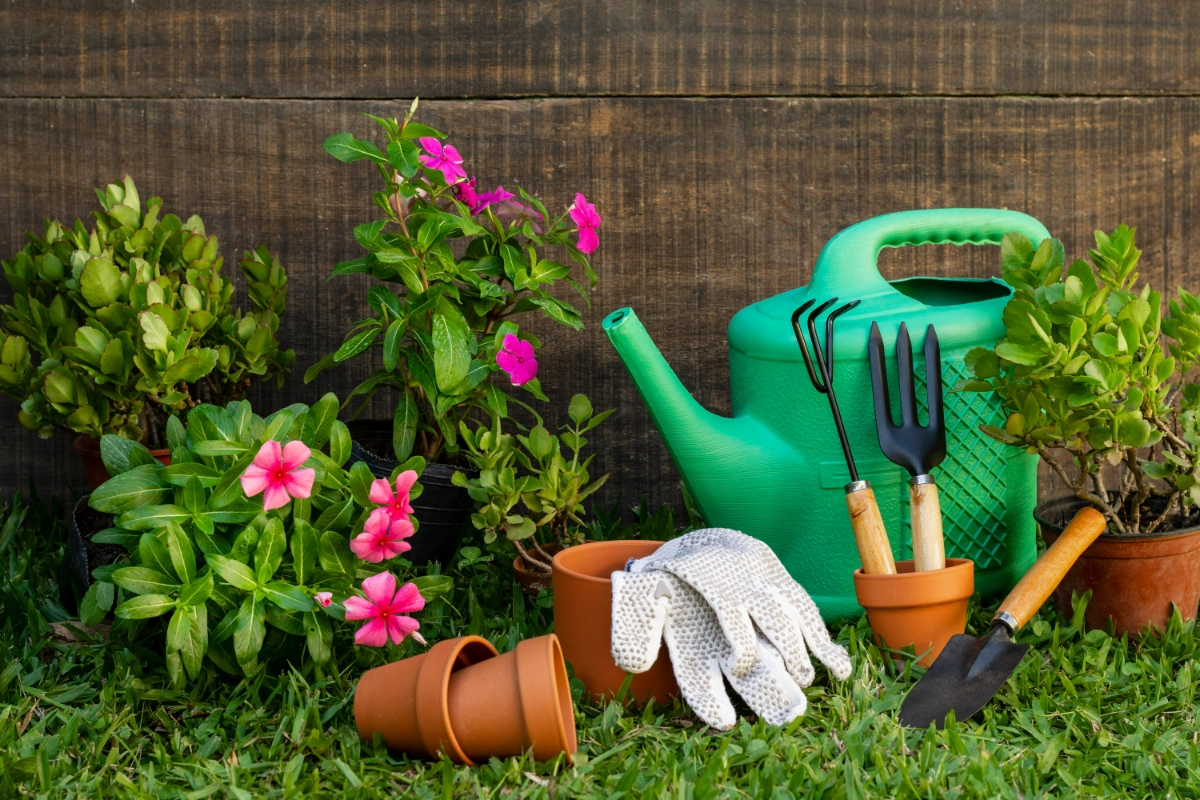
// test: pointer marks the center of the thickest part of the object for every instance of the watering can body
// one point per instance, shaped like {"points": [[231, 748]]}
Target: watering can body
{"points": [[775, 470]]}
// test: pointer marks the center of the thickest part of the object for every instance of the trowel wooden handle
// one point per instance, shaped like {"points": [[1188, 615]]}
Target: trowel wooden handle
{"points": [[925, 512], [869, 534], [1046, 573]]}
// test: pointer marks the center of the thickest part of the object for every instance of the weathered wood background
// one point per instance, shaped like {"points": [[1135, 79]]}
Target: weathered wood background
{"points": [[723, 143]]}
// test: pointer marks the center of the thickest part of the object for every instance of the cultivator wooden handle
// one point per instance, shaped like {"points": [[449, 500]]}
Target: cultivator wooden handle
{"points": [[925, 513], [869, 534]]}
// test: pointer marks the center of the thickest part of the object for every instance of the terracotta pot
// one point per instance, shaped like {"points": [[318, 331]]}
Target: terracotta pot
{"points": [[583, 620], [93, 465], [1134, 579], [922, 609], [463, 699], [531, 581]]}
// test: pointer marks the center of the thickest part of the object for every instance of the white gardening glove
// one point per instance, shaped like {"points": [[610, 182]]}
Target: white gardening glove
{"points": [[649, 607]]}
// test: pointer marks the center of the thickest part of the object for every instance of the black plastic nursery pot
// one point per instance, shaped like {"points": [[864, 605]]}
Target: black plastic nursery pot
{"points": [[443, 510], [81, 555]]}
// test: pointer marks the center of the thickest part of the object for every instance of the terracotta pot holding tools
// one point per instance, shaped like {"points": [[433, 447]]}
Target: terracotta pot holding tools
{"points": [[465, 700], [1134, 580], [583, 620], [922, 609], [93, 465]]}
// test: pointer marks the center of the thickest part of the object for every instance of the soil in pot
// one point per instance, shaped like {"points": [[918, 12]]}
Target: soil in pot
{"points": [[1134, 580], [93, 465], [81, 555], [443, 509], [531, 581], [922, 609]]}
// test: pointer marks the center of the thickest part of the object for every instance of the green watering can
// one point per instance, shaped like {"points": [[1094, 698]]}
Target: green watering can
{"points": [[775, 470]]}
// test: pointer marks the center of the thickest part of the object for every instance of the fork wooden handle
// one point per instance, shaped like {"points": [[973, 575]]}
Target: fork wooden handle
{"points": [[869, 534], [925, 513]]}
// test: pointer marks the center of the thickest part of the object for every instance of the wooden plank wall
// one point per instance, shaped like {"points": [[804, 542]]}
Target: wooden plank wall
{"points": [[723, 143]]}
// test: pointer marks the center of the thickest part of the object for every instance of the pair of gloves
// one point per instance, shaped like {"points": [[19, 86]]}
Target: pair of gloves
{"points": [[726, 607]]}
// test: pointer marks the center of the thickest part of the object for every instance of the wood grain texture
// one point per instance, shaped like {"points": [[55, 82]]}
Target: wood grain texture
{"points": [[708, 205], [925, 514], [874, 547], [477, 48]]}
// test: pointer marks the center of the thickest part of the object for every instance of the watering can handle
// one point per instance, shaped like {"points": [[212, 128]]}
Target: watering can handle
{"points": [[848, 262]]}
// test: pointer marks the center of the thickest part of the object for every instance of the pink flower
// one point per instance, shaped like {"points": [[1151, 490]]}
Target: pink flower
{"points": [[324, 599], [585, 217], [276, 470], [465, 190], [516, 358], [385, 607], [382, 538], [395, 504], [442, 157], [499, 195]]}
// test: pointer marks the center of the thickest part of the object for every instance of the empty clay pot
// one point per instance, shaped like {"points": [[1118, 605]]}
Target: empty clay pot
{"points": [[93, 465], [1134, 579], [922, 609], [465, 700], [583, 620]]}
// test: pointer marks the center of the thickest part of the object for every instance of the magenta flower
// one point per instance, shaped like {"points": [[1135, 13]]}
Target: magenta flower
{"points": [[516, 358], [276, 471], [382, 538], [498, 195], [324, 599], [442, 157], [385, 608], [587, 220], [395, 505], [465, 191]]}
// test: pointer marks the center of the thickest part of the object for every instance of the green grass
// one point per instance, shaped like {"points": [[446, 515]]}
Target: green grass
{"points": [[1085, 714]]}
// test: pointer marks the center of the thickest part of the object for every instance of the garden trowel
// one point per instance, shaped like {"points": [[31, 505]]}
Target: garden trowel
{"points": [[970, 671]]}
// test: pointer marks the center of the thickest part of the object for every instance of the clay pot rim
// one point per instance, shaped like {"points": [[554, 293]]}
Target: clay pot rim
{"points": [[90, 446], [433, 693], [954, 583], [561, 558], [1126, 538], [548, 650]]}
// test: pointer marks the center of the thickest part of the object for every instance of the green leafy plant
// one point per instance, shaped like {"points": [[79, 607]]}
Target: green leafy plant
{"points": [[225, 570], [115, 328], [1091, 368], [455, 266], [534, 482]]}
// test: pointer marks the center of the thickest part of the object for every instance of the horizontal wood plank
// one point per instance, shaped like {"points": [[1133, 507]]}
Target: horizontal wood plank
{"points": [[480, 48], [708, 205]]}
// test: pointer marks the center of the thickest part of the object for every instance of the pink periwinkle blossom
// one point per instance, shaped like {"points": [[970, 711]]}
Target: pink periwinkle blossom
{"points": [[516, 358], [324, 599], [485, 199], [442, 157], [465, 192], [587, 221], [276, 474], [382, 538], [385, 607], [394, 506]]}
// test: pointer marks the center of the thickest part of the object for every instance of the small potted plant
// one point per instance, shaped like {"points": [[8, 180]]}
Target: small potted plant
{"points": [[256, 538], [1097, 381], [114, 329], [456, 266], [531, 488]]}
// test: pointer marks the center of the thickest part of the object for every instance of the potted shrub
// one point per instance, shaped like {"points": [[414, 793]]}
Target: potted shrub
{"points": [[531, 488], [114, 329], [1097, 381], [455, 267], [256, 540]]}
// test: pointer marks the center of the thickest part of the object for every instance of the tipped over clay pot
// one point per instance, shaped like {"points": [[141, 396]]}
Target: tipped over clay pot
{"points": [[464, 699], [93, 465], [583, 620], [922, 609]]}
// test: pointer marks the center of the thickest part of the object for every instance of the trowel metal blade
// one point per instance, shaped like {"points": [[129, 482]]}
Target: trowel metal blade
{"points": [[966, 675]]}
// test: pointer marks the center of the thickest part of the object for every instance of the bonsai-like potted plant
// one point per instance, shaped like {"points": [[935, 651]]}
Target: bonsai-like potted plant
{"points": [[114, 329], [256, 540], [531, 488], [456, 266], [1097, 381]]}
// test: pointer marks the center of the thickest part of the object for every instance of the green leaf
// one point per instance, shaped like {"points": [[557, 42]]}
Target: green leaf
{"points": [[304, 552], [100, 282], [115, 451], [90, 612], [404, 425], [176, 434], [344, 147], [415, 130], [404, 157], [196, 644], [198, 591], [105, 594], [268, 554], [145, 606], [215, 448], [451, 354], [183, 558], [355, 344], [156, 331], [336, 517], [177, 631], [248, 632], [1020, 354], [580, 409], [153, 554], [432, 587], [391, 344], [151, 517], [287, 597], [134, 489], [143, 580], [323, 413], [339, 443], [233, 572], [335, 554], [229, 488], [193, 495], [319, 635]]}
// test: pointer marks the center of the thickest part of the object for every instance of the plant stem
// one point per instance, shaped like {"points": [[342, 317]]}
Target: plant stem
{"points": [[1081, 488], [538, 566]]}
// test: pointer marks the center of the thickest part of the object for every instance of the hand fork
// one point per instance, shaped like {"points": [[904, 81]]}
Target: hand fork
{"points": [[918, 448]]}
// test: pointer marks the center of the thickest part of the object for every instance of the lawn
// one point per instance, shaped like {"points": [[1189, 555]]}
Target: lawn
{"points": [[1085, 714]]}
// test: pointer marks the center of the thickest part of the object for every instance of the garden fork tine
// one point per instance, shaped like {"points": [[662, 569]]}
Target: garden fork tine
{"points": [[869, 534], [918, 448]]}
